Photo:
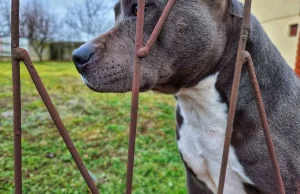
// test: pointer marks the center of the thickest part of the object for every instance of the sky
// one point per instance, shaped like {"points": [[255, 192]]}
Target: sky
{"points": [[58, 7]]}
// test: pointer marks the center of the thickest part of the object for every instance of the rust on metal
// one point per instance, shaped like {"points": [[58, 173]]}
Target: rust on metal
{"points": [[56, 118], [140, 52], [19, 54], [264, 121], [242, 57], [16, 96], [144, 52], [135, 94], [234, 93]]}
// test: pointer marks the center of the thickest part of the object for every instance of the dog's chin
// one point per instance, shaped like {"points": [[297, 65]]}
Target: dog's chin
{"points": [[143, 88], [165, 89], [87, 84]]}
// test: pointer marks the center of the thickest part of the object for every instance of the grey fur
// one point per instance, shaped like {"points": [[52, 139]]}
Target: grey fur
{"points": [[200, 38]]}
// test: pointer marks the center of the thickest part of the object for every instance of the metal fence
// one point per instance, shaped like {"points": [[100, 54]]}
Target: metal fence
{"points": [[243, 57]]}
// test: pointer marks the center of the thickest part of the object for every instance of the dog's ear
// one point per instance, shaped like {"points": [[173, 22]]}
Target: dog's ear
{"points": [[125, 3], [220, 6], [224, 6]]}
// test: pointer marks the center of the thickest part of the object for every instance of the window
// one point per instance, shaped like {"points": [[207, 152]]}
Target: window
{"points": [[293, 30]]}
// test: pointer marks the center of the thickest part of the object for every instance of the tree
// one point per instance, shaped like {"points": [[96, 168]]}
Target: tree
{"points": [[38, 25], [89, 18], [4, 17]]}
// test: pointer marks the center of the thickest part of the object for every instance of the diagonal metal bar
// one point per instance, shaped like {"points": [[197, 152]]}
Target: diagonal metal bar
{"points": [[144, 51], [243, 57], [264, 121], [16, 96], [234, 93], [22, 54]]}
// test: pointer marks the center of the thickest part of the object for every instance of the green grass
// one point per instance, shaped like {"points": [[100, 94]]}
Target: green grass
{"points": [[98, 125]]}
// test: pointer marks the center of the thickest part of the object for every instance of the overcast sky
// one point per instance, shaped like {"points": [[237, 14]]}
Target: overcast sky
{"points": [[58, 7]]}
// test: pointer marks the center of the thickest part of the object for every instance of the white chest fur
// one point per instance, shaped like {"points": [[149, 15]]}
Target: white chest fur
{"points": [[202, 137]]}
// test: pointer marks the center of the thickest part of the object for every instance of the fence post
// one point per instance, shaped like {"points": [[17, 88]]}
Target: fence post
{"points": [[16, 96]]}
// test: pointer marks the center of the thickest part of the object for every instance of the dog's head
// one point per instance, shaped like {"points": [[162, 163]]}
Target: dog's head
{"points": [[188, 48]]}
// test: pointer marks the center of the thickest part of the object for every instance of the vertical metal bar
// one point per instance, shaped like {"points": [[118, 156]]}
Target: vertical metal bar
{"points": [[265, 125], [135, 94], [57, 120], [141, 52], [234, 93], [16, 96]]}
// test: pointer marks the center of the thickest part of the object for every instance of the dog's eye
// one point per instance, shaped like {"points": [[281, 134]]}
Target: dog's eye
{"points": [[135, 9]]}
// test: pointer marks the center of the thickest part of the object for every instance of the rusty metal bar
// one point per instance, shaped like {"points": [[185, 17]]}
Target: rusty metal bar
{"points": [[23, 55], [140, 52], [234, 93], [135, 94], [264, 121], [144, 52], [16, 96], [243, 57]]}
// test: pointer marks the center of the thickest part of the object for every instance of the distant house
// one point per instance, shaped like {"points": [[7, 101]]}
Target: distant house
{"points": [[62, 50], [5, 44], [281, 19], [53, 50], [5, 49]]}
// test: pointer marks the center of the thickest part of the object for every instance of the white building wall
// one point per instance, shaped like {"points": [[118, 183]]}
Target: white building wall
{"points": [[276, 16], [266, 10], [5, 45], [278, 31], [5, 48]]}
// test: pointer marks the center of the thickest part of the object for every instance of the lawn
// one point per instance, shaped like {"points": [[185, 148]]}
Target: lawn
{"points": [[98, 125]]}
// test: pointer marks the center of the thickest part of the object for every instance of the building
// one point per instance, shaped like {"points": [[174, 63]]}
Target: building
{"points": [[5, 49], [56, 50], [5, 44], [281, 19]]}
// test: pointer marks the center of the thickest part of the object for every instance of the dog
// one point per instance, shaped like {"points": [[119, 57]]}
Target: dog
{"points": [[194, 60]]}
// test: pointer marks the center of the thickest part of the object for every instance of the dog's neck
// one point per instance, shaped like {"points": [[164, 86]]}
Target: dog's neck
{"points": [[273, 73]]}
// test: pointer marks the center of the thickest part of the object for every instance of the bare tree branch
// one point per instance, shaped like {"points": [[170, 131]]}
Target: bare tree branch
{"points": [[88, 18], [4, 17], [38, 25]]}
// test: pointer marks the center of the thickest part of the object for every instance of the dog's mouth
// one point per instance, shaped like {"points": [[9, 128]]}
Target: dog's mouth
{"points": [[116, 83], [85, 81], [102, 78]]}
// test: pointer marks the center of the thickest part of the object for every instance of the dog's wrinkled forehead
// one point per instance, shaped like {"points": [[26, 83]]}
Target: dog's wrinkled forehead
{"points": [[219, 6], [127, 4]]}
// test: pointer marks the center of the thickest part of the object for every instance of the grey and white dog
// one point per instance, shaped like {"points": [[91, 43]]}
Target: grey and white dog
{"points": [[194, 60]]}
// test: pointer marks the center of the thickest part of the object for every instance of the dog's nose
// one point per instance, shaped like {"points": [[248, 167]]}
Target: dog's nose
{"points": [[82, 55]]}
